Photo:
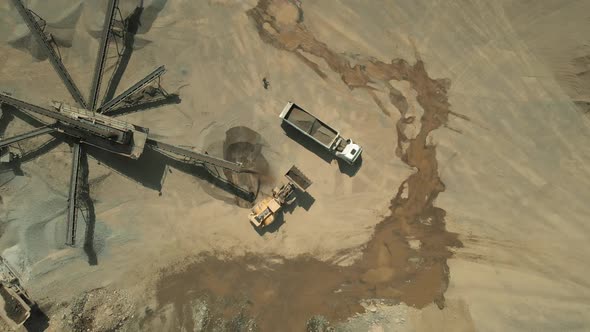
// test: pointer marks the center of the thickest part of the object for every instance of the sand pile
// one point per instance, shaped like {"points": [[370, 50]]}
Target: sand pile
{"points": [[244, 145], [499, 155]]}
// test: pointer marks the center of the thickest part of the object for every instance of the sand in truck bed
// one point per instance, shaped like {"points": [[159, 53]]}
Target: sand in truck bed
{"points": [[311, 125]]}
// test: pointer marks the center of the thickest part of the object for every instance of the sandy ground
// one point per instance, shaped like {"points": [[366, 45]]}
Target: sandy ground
{"points": [[514, 173]]}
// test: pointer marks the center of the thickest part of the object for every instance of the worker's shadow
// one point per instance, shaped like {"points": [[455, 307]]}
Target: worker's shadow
{"points": [[304, 200], [320, 151]]}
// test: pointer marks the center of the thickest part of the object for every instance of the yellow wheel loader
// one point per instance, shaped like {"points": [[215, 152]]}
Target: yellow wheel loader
{"points": [[263, 213]]}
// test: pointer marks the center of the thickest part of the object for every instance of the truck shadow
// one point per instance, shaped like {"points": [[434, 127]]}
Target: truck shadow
{"points": [[321, 151], [349, 169]]}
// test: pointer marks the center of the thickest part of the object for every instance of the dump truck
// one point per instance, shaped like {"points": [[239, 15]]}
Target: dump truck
{"points": [[263, 213], [15, 303], [320, 132]]}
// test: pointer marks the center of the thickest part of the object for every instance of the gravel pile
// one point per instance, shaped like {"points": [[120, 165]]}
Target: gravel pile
{"points": [[96, 310]]}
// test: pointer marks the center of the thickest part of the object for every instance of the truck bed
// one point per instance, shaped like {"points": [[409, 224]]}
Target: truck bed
{"points": [[312, 126]]}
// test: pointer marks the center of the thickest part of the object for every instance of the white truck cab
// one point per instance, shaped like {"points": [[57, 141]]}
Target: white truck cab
{"points": [[350, 152]]}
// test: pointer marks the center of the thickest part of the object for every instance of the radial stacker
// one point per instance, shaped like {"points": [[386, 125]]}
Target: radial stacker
{"points": [[89, 123]]}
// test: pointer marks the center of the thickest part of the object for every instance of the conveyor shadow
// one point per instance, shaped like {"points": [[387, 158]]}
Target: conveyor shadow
{"points": [[9, 113], [132, 23], [210, 175], [150, 168], [39, 151], [169, 99], [90, 215], [5, 118], [13, 112]]}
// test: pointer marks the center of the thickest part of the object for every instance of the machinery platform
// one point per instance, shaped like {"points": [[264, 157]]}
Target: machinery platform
{"points": [[124, 133]]}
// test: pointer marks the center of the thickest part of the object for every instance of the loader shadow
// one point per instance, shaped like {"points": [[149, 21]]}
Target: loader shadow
{"points": [[304, 200], [320, 151], [272, 228]]}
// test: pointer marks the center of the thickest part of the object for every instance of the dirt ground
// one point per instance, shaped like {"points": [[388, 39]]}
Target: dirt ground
{"points": [[467, 211]]}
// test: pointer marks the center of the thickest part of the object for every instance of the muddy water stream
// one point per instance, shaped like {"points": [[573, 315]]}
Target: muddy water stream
{"points": [[282, 295]]}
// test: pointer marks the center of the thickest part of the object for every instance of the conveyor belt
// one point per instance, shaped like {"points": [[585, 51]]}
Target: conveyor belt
{"points": [[55, 60], [135, 88], [102, 53], [73, 196], [102, 131], [197, 157], [30, 134]]}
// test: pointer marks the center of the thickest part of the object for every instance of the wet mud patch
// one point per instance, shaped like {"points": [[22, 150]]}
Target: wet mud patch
{"points": [[404, 261]]}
